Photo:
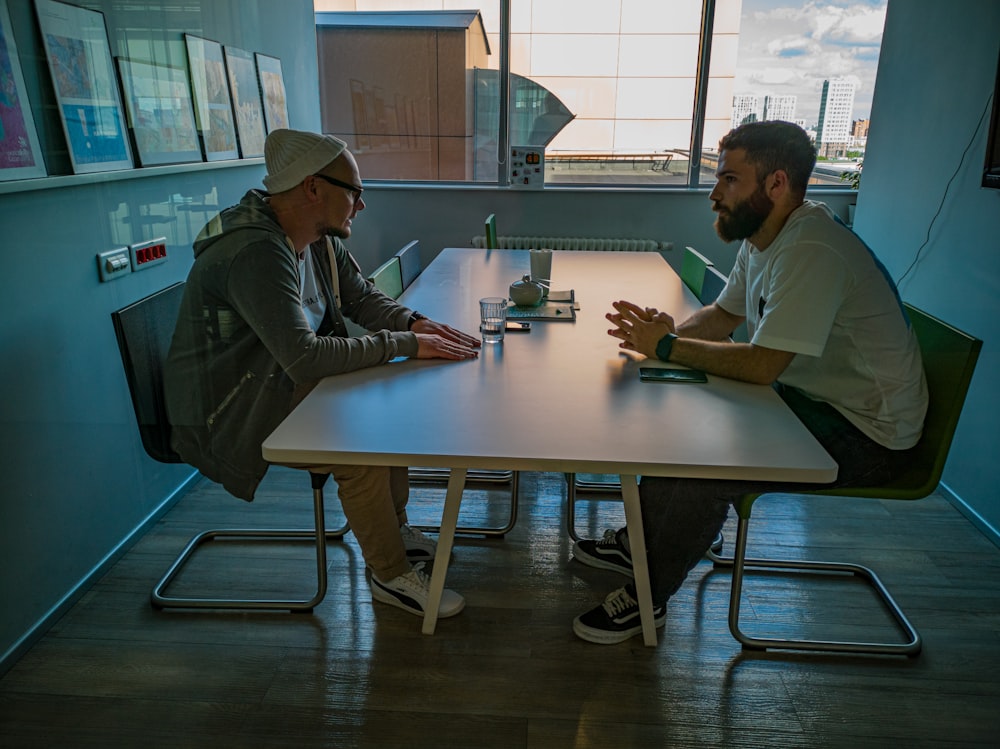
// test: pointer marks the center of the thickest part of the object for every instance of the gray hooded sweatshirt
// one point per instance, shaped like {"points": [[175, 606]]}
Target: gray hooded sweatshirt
{"points": [[243, 353]]}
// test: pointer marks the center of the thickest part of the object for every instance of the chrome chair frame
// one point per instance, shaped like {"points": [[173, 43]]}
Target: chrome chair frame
{"points": [[950, 358], [143, 330], [483, 476], [576, 485]]}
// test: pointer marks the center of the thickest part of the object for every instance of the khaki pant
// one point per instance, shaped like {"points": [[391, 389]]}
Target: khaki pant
{"points": [[374, 501]]}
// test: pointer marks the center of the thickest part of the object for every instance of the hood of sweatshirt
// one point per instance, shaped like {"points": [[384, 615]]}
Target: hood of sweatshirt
{"points": [[251, 214]]}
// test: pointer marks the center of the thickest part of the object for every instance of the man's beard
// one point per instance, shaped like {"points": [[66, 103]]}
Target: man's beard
{"points": [[745, 218]]}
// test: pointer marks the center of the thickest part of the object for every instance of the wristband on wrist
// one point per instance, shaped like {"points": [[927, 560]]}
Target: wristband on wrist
{"points": [[414, 316], [665, 346]]}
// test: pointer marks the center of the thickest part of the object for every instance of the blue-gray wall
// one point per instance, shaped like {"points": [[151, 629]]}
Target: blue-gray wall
{"points": [[74, 482], [936, 74]]}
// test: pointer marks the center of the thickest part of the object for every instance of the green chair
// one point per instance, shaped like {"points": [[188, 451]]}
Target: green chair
{"points": [[388, 278], [491, 232], [949, 357], [715, 281], [693, 268]]}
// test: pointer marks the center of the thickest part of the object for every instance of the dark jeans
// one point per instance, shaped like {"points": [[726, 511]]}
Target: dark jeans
{"points": [[682, 517]]}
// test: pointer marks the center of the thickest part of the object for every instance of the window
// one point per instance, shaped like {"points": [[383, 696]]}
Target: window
{"points": [[617, 91]]}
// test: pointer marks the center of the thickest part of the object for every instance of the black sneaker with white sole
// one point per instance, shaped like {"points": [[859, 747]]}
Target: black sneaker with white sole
{"points": [[615, 620], [607, 553], [612, 553]]}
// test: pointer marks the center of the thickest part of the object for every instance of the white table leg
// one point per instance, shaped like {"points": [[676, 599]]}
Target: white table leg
{"points": [[640, 568], [446, 538]]}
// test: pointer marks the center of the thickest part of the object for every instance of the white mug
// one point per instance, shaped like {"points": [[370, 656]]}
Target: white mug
{"points": [[541, 267]]}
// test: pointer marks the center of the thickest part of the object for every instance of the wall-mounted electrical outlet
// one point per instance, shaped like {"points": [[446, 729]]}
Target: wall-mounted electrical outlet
{"points": [[113, 264], [145, 254]]}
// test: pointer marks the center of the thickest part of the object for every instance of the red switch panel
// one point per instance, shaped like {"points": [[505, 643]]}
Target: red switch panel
{"points": [[146, 254]]}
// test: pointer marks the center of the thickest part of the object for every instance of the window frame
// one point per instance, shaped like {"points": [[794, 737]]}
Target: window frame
{"points": [[697, 149]]}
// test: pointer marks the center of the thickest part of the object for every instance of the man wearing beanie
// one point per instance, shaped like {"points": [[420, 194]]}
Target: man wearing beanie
{"points": [[262, 321]]}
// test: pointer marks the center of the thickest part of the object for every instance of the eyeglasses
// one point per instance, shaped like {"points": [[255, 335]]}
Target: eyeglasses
{"points": [[353, 189]]}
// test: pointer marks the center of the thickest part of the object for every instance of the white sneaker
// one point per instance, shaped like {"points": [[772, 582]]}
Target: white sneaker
{"points": [[419, 547], [409, 592]]}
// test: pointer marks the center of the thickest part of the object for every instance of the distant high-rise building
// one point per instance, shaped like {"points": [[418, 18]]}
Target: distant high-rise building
{"points": [[779, 108], [835, 109], [859, 128], [746, 108]]}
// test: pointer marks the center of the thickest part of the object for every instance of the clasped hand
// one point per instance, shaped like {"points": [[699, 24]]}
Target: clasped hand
{"points": [[436, 340], [639, 328]]}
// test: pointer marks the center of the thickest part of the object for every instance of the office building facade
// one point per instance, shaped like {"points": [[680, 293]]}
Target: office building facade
{"points": [[746, 108], [780, 107], [833, 132]]}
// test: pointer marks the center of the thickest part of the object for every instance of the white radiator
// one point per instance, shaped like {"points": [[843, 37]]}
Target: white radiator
{"points": [[597, 244]]}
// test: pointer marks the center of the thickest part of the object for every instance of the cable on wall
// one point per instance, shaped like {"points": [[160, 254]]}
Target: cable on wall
{"points": [[947, 187]]}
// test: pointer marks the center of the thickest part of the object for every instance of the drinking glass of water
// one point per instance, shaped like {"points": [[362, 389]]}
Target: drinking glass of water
{"points": [[493, 318]]}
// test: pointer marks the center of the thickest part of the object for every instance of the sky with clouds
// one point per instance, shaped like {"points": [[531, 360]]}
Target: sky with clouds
{"points": [[789, 47]]}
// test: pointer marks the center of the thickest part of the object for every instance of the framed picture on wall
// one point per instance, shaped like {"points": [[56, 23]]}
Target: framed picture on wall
{"points": [[160, 113], [86, 87], [272, 90], [20, 153], [246, 101], [213, 107]]}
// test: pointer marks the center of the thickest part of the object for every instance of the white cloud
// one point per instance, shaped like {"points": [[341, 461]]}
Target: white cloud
{"points": [[791, 44], [775, 77], [855, 24], [791, 48]]}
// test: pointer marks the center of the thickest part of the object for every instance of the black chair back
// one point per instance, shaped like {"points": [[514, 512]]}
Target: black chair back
{"points": [[410, 264], [144, 330]]}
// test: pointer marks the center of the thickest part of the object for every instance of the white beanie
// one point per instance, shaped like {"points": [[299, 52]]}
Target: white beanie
{"points": [[292, 155]]}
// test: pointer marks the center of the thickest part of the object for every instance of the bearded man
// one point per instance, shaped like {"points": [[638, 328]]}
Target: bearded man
{"points": [[827, 330]]}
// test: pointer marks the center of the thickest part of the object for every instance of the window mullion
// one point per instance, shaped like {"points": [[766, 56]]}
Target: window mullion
{"points": [[701, 90], [503, 148]]}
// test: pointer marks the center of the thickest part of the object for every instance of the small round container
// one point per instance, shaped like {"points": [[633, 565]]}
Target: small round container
{"points": [[526, 293]]}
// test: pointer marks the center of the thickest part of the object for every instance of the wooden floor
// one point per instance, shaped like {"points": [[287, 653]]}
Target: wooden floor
{"points": [[508, 672]]}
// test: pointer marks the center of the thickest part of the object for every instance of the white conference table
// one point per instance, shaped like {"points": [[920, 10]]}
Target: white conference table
{"points": [[561, 398]]}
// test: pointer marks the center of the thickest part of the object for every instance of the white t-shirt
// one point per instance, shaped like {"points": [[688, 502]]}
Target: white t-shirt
{"points": [[818, 291], [313, 299]]}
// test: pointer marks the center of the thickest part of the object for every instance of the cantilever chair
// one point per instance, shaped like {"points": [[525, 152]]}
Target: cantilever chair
{"points": [[693, 267], [949, 357], [144, 330]]}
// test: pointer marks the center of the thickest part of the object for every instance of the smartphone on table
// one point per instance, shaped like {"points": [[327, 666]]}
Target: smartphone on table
{"points": [[666, 374], [515, 326]]}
